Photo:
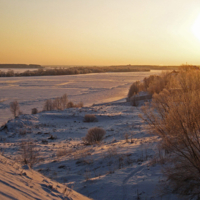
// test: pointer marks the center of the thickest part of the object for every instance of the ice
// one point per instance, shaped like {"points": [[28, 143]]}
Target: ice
{"points": [[31, 92]]}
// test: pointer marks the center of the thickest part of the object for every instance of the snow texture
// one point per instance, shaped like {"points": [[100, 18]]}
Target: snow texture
{"points": [[122, 167]]}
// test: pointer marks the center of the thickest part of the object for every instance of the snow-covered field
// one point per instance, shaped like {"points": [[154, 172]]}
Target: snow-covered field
{"points": [[124, 166], [31, 92]]}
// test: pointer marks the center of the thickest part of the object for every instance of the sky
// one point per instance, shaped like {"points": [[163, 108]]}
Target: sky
{"points": [[100, 32]]}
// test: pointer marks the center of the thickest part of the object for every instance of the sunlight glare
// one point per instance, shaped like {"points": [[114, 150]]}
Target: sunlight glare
{"points": [[196, 28]]}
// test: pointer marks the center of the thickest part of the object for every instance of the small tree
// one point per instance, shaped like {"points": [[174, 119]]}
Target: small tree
{"points": [[14, 108]]}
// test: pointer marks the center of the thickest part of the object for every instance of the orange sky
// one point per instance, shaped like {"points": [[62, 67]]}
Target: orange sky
{"points": [[103, 32]]}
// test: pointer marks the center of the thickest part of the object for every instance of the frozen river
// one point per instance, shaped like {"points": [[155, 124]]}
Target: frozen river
{"points": [[31, 92]]}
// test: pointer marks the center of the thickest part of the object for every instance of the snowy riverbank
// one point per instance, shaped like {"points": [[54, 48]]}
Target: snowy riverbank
{"points": [[123, 166]]}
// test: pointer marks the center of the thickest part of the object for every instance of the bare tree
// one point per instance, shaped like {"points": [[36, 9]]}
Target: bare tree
{"points": [[28, 152], [14, 108]]}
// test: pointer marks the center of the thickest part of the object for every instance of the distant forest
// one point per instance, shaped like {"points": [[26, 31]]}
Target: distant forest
{"points": [[18, 66], [83, 70]]}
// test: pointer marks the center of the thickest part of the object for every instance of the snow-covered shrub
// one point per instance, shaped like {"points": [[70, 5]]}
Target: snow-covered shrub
{"points": [[34, 111], [175, 117], [90, 118], [14, 108], [94, 135]]}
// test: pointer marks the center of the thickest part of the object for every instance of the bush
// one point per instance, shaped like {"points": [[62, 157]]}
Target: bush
{"points": [[14, 108], [34, 111], [94, 135], [158, 83], [79, 105], [134, 89], [28, 153], [90, 118], [175, 117], [70, 104]]}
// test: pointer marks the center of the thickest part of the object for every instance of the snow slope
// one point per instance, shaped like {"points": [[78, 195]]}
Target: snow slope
{"points": [[17, 182]]}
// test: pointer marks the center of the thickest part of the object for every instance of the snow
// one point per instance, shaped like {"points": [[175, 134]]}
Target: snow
{"points": [[125, 165], [116, 168], [32, 92], [21, 183]]}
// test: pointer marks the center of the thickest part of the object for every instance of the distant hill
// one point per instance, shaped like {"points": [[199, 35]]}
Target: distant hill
{"points": [[20, 66]]}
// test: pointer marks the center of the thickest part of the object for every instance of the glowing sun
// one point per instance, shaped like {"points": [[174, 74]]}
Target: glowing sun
{"points": [[196, 27]]}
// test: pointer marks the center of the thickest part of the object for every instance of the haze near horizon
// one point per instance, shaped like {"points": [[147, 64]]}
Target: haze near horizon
{"points": [[104, 32]]}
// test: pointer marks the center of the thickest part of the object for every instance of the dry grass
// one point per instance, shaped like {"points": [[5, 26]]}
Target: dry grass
{"points": [[62, 152], [90, 118], [111, 152]]}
